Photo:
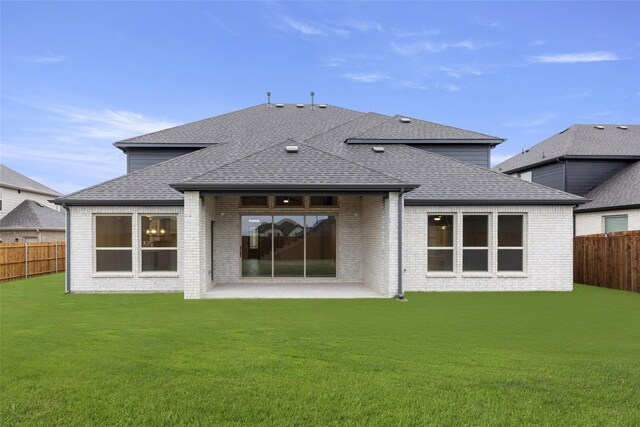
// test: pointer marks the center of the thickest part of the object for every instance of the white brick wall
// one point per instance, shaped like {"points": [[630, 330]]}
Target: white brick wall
{"points": [[83, 277], [374, 243], [593, 222], [548, 251]]}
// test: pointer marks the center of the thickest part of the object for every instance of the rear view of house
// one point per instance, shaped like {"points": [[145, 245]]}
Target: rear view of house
{"points": [[316, 195]]}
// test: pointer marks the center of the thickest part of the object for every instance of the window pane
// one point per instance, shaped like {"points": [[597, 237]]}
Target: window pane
{"points": [[113, 231], [510, 230], [475, 260], [323, 201], [321, 246], [440, 231], [159, 260], [159, 231], [256, 246], [509, 259], [440, 260], [475, 230], [289, 201], [526, 176], [615, 223], [113, 260], [288, 246], [254, 201]]}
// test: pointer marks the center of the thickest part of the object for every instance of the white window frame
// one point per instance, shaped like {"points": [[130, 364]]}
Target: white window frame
{"points": [[96, 249], [154, 248], [488, 248], [523, 247], [604, 222], [526, 175], [451, 248]]}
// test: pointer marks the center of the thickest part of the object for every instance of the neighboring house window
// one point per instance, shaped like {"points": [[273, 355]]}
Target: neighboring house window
{"points": [[615, 223], [475, 243], [525, 176], [159, 239], [113, 243], [248, 201], [440, 239], [510, 242]]}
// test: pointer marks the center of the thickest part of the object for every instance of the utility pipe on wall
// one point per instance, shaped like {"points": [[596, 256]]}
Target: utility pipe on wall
{"points": [[400, 215]]}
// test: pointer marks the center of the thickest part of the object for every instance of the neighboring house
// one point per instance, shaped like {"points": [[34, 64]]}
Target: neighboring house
{"points": [[599, 162], [302, 194], [16, 188], [614, 205], [32, 221]]}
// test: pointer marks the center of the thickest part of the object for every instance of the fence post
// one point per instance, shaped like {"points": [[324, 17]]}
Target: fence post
{"points": [[56, 257], [26, 260]]}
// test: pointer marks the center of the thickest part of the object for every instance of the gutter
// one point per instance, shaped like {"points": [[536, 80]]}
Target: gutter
{"points": [[400, 219], [67, 282]]}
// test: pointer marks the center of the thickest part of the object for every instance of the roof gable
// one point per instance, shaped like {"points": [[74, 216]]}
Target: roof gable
{"points": [[13, 179], [621, 190], [32, 215]]}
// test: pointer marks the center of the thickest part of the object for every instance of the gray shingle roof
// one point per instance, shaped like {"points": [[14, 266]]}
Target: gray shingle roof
{"points": [[309, 166], [579, 140], [441, 179], [13, 179], [622, 189], [31, 215]]}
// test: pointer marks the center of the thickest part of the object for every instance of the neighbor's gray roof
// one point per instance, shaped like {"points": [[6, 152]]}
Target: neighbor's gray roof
{"points": [[30, 215], [13, 179], [579, 140], [621, 190], [441, 179]]}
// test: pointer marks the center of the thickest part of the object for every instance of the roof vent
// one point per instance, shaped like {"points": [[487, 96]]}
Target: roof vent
{"points": [[300, 105], [322, 105], [378, 149], [405, 120], [623, 127], [291, 148], [599, 127], [279, 105]]}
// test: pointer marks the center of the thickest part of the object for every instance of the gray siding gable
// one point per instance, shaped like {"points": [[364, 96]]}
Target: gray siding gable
{"points": [[584, 175], [476, 154], [140, 158], [551, 175]]}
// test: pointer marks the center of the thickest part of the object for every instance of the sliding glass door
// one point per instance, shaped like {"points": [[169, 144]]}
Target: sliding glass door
{"points": [[288, 246]]}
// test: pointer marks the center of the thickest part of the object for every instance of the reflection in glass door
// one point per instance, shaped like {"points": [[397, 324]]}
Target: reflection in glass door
{"points": [[256, 246], [321, 246], [288, 246]]}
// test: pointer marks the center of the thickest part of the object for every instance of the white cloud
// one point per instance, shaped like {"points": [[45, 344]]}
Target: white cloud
{"points": [[538, 42], [362, 26], [459, 72], [449, 87], [412, 84], [486, 22], [334, 62], [288, 24], [422, 33], [47, 58], [434, 47], [368, 77], [570, 58]]}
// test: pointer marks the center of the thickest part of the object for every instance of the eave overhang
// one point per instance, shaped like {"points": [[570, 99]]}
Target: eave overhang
{"points": [[116, 202], [567, 157], [486, 141], [476, 202], [275, 188], [608, 208]]}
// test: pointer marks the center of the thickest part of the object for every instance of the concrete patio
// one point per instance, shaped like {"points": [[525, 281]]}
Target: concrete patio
{"points": [[291, 291]]}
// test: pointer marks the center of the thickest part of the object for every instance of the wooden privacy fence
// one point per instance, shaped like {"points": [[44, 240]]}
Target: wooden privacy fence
{"points": [[22, 260], [608, 260]]}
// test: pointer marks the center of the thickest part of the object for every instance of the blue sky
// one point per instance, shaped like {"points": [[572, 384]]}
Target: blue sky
{"points": [[77, 77]]}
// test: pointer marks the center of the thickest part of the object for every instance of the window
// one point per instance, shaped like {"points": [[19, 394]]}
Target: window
{"points": [[315, 201], [249, 201], [615, 223], [475, 243], [525, 176], [113, 243], [510, 243], [440, 243], [159, 242], [286, 201]]}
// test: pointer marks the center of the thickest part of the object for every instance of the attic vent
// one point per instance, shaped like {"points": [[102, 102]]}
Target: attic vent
{"points": [[291, 148], [378, 149], [300, 105], [279, 105], [623, 127], [322, 105], [599, 127], [405, 120], [40, 204]]}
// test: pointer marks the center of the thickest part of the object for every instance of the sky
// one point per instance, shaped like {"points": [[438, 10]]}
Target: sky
{"points": [[76, 77]]}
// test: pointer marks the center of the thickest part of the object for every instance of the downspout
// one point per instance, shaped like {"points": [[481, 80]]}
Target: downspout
{"points": [[400, 215], [67, 282]]}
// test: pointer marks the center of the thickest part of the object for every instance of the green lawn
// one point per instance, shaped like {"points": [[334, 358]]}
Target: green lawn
{"points": [[441, 358]]}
